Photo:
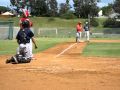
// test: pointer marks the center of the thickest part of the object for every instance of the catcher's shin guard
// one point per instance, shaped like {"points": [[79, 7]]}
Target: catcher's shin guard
{"points": [[22, 59], [18, 59], [12, 60]]}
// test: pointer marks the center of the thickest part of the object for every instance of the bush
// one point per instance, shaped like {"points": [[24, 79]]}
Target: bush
{"points": [[68, 15], [111, 23], [94, 22]]}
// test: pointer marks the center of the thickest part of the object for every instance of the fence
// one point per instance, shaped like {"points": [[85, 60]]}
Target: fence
{"points": [[6, 30], [7, 33], [56, 32], [105, 33], [71, 32]]}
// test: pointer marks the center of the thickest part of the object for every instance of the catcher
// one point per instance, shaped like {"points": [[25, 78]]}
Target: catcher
{"points": [[25, 15], [23, 39]]}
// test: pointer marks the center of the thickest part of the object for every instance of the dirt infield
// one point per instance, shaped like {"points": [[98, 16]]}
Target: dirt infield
{"points": [[62, 68]]}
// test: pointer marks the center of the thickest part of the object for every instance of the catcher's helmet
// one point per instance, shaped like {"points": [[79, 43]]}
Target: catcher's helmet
{"points": [[25, 24]]}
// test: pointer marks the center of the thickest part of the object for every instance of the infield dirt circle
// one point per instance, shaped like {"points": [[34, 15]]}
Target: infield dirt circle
{"points": [[62, 68]]}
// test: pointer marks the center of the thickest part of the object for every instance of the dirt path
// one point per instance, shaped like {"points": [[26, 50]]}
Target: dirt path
{"points": [[62, 68]]}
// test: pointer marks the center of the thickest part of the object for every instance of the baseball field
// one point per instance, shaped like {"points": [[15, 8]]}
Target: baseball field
{"points": [[62, 64]]}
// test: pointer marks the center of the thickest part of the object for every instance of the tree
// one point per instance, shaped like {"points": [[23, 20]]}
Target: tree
{"points": [[68, 5], [83, 8], [3, 9], [107, 9], [116, 6], [62, 9], [39, 8], [21, 4], [52, 4]]}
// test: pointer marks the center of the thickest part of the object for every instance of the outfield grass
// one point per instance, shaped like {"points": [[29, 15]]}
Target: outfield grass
{"points": [[102, 49], [9, 46]]}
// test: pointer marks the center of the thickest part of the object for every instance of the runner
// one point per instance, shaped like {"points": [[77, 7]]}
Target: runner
{"points": [[79, 30]]}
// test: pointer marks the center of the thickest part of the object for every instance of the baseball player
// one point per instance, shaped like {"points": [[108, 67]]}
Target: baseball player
{"points": [[25, 15], [87, 29], [79, 30], [23, 39]]}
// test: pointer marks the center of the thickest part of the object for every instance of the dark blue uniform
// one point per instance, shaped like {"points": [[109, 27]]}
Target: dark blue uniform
{"points": [[86, 27], [24, 39]]}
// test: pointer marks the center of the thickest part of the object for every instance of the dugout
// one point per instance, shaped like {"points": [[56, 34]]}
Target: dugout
{"points": [[6, 30]]}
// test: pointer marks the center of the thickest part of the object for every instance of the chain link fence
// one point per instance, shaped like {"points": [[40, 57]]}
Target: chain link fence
{"points": [[6, 30], [7, 33], [71, 32], [56, 32]]}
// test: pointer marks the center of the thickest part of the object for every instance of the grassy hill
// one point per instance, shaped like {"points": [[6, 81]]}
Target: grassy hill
{"points": [[56, 22], [50, 21]]}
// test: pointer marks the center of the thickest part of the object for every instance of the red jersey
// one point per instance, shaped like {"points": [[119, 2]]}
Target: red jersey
{"points": [[79, 28]]}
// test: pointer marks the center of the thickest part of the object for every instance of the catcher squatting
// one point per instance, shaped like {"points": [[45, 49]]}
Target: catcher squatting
{"points": [[23, 39]]}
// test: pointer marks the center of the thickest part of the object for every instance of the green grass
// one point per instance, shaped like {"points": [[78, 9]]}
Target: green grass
{"points": [[101, 20], [47, 21], [102, 49], [45, 43], [92, 49], [9, 46], [52, 22]]}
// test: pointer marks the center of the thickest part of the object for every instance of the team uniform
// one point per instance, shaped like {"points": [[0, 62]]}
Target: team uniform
{"points": [[23, 37], [22, 20], [79, 29], [25, 17], [25, 42], [87, 33]]}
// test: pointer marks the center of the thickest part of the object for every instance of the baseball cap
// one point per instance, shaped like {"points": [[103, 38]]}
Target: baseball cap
{"points": [[79, 22]]}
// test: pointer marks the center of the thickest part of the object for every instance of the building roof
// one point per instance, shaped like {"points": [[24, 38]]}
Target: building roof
{"points": [[7, 13]]}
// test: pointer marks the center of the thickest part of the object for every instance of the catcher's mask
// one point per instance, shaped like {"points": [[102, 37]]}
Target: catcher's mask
{"points": [[25, 24]]}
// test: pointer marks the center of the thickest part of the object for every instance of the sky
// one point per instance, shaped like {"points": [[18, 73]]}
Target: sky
{"points": [[101, 4]]}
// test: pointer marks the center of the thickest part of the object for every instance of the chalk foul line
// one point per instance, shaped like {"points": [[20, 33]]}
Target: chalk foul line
{"points": [[65, 50]]}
